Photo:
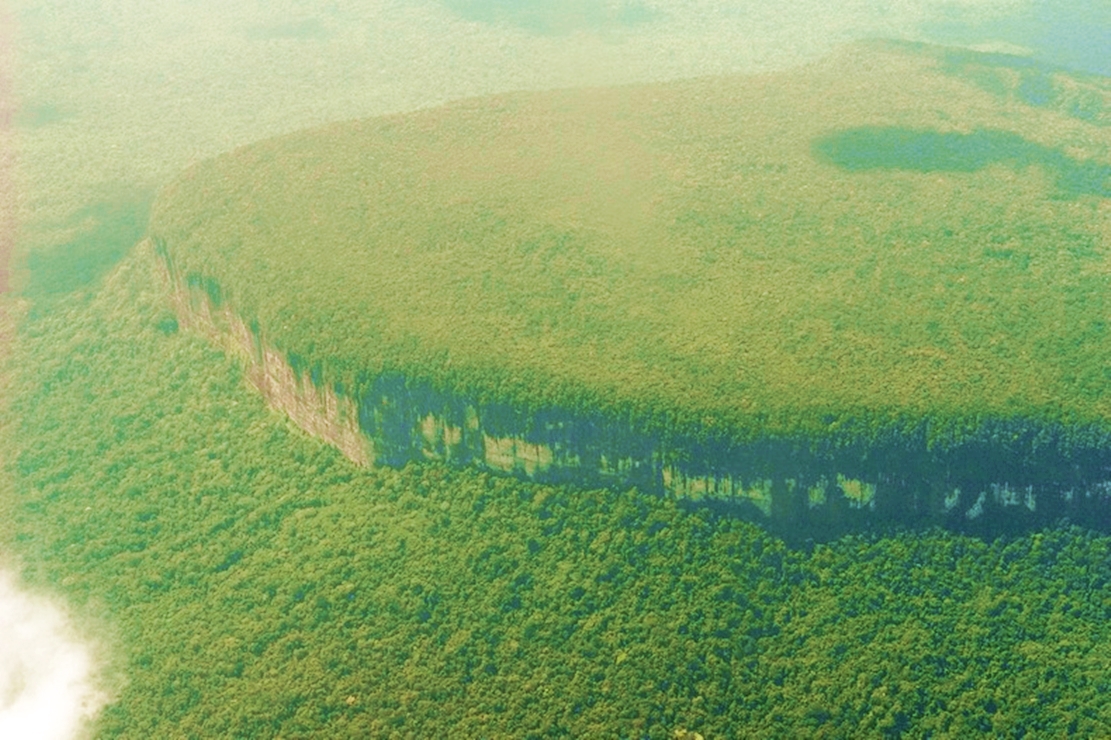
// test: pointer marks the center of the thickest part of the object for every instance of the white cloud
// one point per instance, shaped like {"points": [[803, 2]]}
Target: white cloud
{"points": [[46, 675]]}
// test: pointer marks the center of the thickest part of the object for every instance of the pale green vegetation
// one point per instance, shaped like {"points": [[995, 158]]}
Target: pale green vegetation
{"points": [[126, 96], [255, 584], [849, 248]]}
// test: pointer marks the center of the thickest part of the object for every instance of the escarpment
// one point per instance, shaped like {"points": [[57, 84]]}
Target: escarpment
{"points": [[867, 292]]}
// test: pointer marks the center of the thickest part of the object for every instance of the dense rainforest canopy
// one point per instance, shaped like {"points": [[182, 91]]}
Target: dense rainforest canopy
{"points": [[248, 581], [894, 234]]}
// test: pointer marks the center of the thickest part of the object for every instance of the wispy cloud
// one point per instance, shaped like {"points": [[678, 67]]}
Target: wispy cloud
{"points": [[46, 674]]}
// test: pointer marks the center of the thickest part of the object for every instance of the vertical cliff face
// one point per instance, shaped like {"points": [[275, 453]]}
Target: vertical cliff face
{"points": [[318, 410], [1008, 475]]}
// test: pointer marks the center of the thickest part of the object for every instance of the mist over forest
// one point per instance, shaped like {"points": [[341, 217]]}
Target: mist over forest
{"points": [[860, 492]]}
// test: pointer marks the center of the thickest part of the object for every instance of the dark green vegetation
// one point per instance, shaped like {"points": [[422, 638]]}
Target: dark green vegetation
{"points": [[261, 586], [102, 234], [856, 248], [255, 584]]}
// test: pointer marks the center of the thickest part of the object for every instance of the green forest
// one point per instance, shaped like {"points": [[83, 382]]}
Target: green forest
{"points": [[245, 580], [896, 235], [851, 248]]}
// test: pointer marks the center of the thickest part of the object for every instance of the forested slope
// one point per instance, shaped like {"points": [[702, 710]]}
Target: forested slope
{"points": [[865, 293], [250, 582], [891, 237]]}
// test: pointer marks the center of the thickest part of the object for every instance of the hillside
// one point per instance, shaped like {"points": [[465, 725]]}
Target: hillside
{"points": [[876, 237], [873, 283], [237, 577], [243, 580]]}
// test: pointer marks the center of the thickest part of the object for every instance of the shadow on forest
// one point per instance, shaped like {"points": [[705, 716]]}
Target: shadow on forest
{"points": [[105, 231], [923, 150], [1031, 82]]}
